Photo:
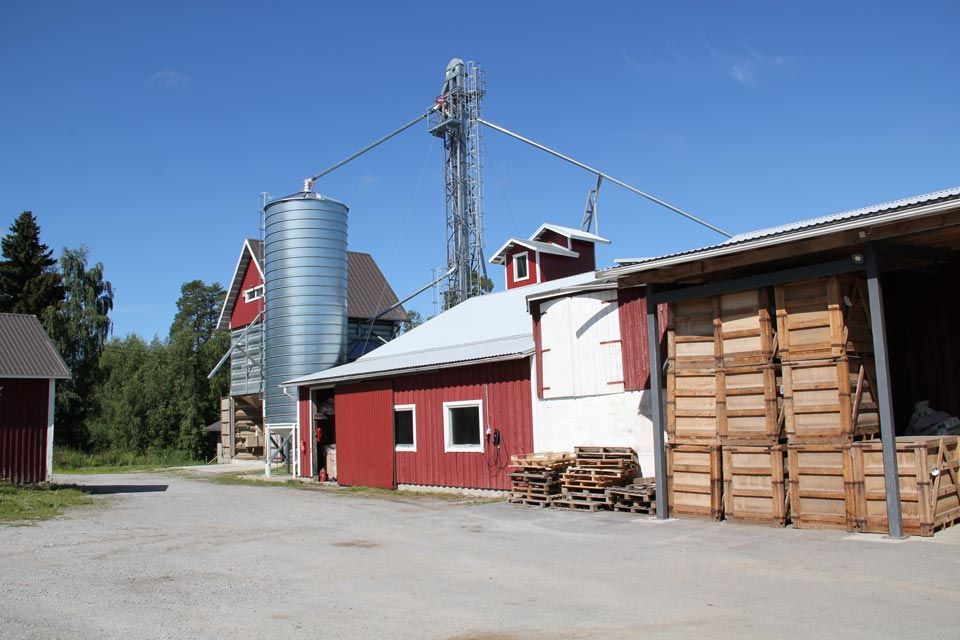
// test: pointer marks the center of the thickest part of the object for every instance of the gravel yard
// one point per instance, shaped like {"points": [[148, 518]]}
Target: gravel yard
{"points": [[161, 555]]}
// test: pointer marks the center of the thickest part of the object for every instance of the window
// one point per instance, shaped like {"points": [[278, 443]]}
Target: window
{"points": [[405, 427], [253, 294], [520, 267], [463, 426]]}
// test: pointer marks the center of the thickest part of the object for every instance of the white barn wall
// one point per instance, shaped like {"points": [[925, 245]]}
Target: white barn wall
{"points": [[615, 420]]}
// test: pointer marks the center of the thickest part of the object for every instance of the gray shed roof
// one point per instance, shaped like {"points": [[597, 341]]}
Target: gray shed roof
{"points": [[26, 351], [865, 216]]}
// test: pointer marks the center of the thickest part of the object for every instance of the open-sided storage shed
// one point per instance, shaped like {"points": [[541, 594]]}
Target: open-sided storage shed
{"points": [[905, 253]]}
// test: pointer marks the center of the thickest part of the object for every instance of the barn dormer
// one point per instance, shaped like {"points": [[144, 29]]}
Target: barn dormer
{"points": [[552, 252]]}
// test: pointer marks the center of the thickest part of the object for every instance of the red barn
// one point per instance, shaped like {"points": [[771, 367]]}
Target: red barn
{"points": [[29, 367]]}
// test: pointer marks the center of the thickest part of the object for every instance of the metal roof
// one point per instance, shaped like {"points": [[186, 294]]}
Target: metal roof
{"points": [[483, 328], [543, 247], [26, 351], [569, 232], [368, 292], [906, 207]]}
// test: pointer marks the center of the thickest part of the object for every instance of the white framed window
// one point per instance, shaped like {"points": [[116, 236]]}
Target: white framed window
{"points": [[521, 266], [254, 293], [463, 426], [405, 427]]}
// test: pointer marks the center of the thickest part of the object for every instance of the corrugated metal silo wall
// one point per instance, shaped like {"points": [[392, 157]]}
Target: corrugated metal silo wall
{"points": [[23, 430], [305, 273]]}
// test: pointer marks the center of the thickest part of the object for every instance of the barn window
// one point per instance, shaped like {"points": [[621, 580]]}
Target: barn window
{"points": [[254, 293], [405, 427], [463, 426], [520, 267]]}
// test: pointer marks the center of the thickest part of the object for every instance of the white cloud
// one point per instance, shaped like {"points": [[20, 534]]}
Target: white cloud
{"points": [[369, 181], [168, 80], [746, 66]]}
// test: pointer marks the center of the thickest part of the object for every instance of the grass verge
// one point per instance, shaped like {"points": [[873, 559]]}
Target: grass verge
{"points": [[72, 461], [25, 505]]}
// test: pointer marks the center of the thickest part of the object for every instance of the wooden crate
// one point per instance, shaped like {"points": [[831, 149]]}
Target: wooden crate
{"points": [[691, 335], [821, 486], [745, 328], [753, 484], [829, 400], [823, 318], [692, 407], [694, 481], [747, 405], [730, 330], [928, 471]]}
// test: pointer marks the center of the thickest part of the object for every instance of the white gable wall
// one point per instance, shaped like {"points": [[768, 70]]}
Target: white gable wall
{"points": [[584, 401]]}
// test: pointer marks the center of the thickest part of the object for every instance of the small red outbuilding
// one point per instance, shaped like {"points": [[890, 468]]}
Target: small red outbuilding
{"points": [[29, 367]]}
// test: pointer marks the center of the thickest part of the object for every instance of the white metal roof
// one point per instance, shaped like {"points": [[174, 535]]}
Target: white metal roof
{"points": [[543, 247], [494, 326], [915, 206], [569, 232]]}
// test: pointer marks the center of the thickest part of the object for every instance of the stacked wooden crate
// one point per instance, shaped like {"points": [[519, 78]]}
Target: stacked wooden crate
{"points": [[828, 380], [538, 479], [693, 453], [748, 411], [595, 469], [722, 393]]}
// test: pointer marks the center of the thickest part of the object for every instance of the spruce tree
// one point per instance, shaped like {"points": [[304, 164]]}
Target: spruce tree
{"points": [[29, 282]]}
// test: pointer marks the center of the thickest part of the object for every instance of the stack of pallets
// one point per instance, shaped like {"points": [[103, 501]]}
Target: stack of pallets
{"points": [[584, 485], [538, 477], [640, 496]]}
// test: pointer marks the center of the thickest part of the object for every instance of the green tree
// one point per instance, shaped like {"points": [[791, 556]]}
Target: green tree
{"points": [[29, 282], [414, 319], [195, 347], [79, 326]]}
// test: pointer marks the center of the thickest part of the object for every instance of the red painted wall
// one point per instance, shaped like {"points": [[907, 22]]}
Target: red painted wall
{"points": [[364, 413], [633, 334], [23, 429], [244, 312], [504, 388], [532, 268]]}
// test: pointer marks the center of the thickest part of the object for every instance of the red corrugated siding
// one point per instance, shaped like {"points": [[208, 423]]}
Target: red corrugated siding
{"points": [[244, 312], [23, 429], [633, 335], [365, 434], [504, 388]]}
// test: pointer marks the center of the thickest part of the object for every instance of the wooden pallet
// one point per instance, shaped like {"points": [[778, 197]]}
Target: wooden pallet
{"points": [[530, 502], [639, 497], [547, 460]]}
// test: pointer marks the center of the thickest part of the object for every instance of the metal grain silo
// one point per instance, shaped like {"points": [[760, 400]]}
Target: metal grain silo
{"points": [[305, 277]]}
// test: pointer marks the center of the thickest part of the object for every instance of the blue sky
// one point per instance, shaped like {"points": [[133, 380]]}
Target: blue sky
{"points": [[147, 130]]}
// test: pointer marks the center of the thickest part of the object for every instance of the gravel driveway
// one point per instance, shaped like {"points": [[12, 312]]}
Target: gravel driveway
{"points": [[161, 555]]}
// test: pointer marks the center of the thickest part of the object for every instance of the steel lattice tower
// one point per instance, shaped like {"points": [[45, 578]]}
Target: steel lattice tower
{"points": [[456, 120]]}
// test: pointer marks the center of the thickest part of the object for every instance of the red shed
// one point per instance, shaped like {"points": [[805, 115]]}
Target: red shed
{"points": [[29, 367], [551, 253], [446, 404]]}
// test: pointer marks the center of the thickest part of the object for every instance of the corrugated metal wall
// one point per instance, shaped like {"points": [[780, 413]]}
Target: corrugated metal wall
{"points": [[246, 376], [581, 349], [504, 389], [364, 414], [23, 429]]}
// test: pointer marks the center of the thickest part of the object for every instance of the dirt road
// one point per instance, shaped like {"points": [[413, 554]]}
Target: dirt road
{"points": [[165, 556]]}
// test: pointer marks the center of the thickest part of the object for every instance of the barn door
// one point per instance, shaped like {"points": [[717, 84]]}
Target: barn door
{"points": [[365, 451]]}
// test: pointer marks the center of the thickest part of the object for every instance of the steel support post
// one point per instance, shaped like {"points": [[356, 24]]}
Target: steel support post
{"points": [[656, 403], [888, 434]]}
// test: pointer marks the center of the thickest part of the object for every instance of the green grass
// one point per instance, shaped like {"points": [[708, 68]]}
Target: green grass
{"points": [[72, 461], [25, 505]]}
